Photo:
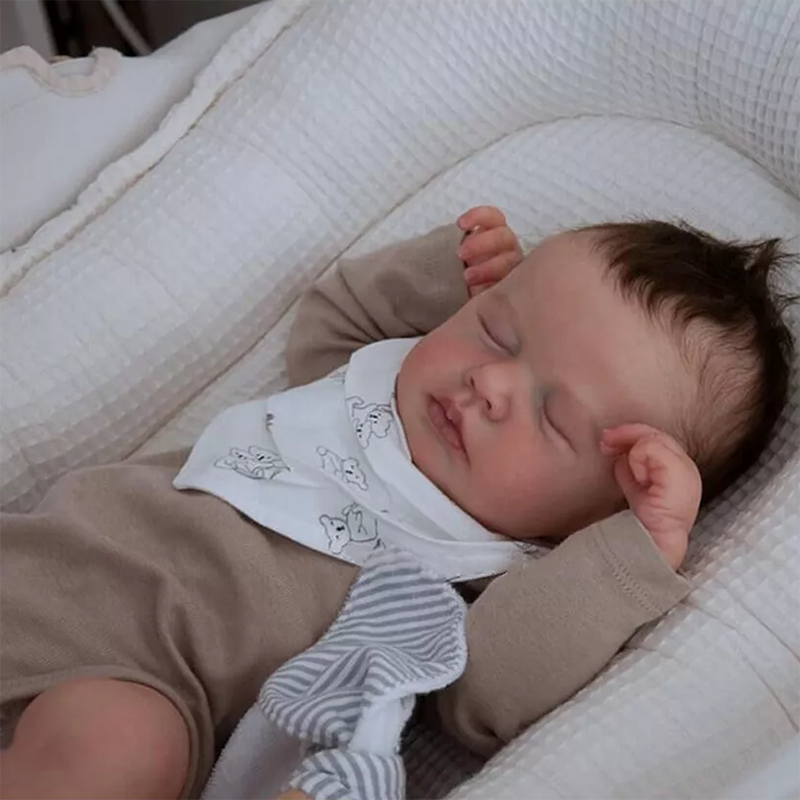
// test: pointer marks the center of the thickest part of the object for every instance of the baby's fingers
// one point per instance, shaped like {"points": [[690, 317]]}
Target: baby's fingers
{"points": [[651, 462], [479, 288], [627, 481], [481, 246], [491, 271], [624, 437], [481, 217]]}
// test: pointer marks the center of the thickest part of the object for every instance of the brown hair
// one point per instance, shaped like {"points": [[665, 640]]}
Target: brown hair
{"points": [[689, 278]]}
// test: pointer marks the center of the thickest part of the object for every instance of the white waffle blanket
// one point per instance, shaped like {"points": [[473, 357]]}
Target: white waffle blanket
{"points": [[165, 294]]}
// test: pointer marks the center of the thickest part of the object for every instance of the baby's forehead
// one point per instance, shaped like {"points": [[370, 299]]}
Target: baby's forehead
{"points": [[697, 373], [564, 254], [574, 315]]}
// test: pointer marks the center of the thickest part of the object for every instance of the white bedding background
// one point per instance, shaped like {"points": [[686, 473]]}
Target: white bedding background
{"points": [[79, 115], [165, 293]]}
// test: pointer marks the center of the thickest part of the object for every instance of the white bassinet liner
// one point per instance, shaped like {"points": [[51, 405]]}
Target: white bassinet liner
{"points": [[165, 294], [80, 114]]}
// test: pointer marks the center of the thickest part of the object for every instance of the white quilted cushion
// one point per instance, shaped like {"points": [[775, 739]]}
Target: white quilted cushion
{"points": [[80, 115], [166, 293]]}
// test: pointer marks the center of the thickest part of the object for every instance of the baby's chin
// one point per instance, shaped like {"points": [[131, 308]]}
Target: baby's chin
{"points": [[550, 528]]}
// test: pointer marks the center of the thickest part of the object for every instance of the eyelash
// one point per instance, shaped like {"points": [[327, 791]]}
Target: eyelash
{"points": [[549, 420], [493, 339]]}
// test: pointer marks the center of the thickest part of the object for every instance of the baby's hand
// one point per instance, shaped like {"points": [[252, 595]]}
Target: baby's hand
{"points": [[489, 250], [660, 482]]}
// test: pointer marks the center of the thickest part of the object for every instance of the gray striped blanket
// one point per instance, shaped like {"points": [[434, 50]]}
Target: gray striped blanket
{"points": [[329, 721]]}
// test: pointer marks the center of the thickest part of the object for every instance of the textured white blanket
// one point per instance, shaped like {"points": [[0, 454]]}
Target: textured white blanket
{"points": [[165, 293]]}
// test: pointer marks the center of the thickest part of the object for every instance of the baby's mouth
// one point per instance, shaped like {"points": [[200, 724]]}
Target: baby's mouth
{"points": [[447, 421]]}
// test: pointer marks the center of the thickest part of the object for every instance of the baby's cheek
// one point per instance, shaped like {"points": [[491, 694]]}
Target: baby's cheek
{"points": [[509, 488], [525, 496]]}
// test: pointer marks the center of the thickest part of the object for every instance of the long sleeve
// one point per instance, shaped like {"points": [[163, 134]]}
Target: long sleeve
{"points": [[404, 290], [543, 630]]}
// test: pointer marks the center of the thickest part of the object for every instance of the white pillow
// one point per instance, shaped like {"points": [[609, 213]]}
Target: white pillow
{"points": [[63, 122]]}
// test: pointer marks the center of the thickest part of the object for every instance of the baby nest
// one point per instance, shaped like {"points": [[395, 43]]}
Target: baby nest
{"points": [[165, 293]]}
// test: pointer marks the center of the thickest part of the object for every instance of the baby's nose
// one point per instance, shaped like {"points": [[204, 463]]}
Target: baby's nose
{"points": [[493, 387]]}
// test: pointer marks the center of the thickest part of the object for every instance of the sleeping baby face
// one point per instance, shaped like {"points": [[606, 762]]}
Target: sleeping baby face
{"points": [[504, 404]]}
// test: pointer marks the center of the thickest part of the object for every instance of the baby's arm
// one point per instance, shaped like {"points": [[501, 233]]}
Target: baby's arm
{"points": [[403, 290], [544, 629]]}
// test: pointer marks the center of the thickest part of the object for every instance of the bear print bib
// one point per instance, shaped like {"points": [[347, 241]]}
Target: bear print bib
{"points": [[327, 465]]}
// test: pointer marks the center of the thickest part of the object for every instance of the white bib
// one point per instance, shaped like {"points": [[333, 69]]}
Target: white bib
{"points": [[327, 465]]}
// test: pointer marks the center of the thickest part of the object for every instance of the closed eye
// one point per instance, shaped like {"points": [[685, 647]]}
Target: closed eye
{"points": [[555, 428], [492, 338]]}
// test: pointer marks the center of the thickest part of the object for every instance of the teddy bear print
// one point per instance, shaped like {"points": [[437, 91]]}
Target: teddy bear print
{"points": [[346, 469], [255, 462], [369, 419], [348, 528]]}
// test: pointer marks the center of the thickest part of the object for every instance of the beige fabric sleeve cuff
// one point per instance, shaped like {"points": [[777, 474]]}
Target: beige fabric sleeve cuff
{"points": [[543, 630], [637, 564]]}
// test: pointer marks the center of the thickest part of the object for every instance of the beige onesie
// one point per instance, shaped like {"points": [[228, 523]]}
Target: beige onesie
{"points": [[117, 574]]}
